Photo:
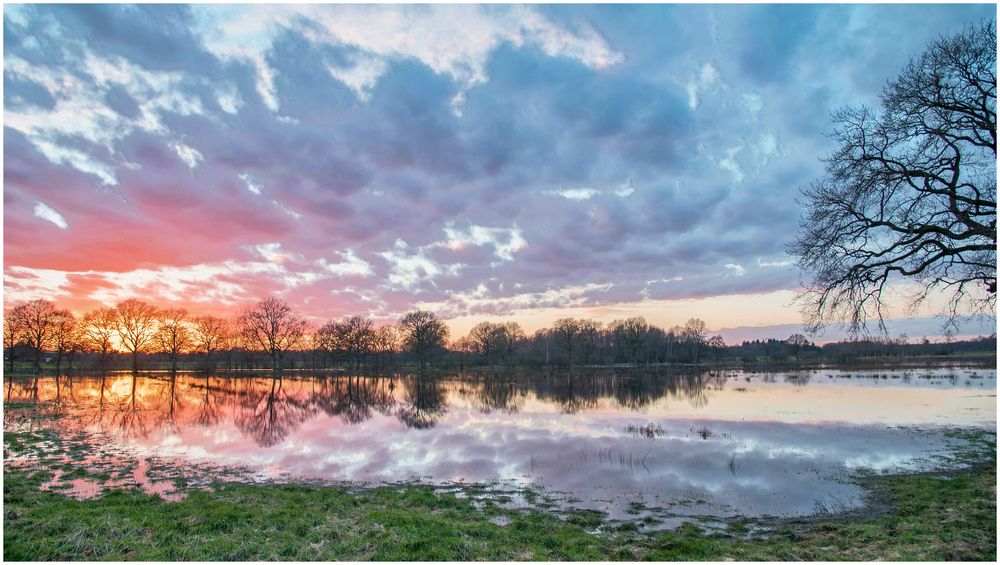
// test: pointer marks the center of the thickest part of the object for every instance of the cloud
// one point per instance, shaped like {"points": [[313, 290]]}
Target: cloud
{"points": [[451, 40], [408, 269], [189, 155], [706, 80], [505, 241], [350, 264], [252, 184], [44, 212], [478, 158], [582, 193]]}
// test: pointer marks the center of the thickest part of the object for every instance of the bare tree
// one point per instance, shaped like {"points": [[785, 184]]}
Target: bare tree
{"points": [[13, 334], [693, 334], [717, 345], [797, 342], [910, 193], [209, 334], [65, 336], [135, 323], [385, 343], [589, 340], [481, 339], [354, 337], [38, 317], [630, 336], [327, 340], [271, 326], [566, 332], [424, 334], [97, 333], [494, 341], [173, 336], [508, 337]]}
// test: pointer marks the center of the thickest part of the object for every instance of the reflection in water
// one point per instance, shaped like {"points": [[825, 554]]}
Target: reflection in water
{"points": [[739, 442], [424, 402], [354, 399], [269, 413]]}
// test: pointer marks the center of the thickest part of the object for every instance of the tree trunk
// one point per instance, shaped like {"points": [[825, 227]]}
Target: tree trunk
{"points": [[135, 362]]}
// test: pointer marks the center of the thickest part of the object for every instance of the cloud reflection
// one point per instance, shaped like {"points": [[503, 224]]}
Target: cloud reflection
{"points": [[725, 443]]}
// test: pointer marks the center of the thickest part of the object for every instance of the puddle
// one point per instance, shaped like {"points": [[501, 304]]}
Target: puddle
{"points": [[712, 444]]}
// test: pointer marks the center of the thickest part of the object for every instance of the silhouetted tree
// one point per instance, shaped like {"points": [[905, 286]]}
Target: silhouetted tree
{"points": [[493, 341], [39, 319], [208, 335], [65, 336], [97, 332], [589, 339], [272, 327], [566, 332], [693, 335], [797, 342], [135, 323], [630, 337], [354, 337], [717, 345], [910, 193], [13, 334], [172, 336], [385, 343], [424, 335]]}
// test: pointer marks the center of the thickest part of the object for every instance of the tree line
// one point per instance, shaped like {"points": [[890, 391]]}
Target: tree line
{"points": [[266, 334], [271, 335]]}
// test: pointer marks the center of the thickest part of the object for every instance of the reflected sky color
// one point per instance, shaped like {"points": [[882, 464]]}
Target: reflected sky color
{"points": [[717, 443]]}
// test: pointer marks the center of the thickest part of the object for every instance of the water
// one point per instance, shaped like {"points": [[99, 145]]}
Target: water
{"points": [[630, 443]]}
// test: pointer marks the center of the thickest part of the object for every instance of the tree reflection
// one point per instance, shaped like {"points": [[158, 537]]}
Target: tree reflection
{"points": [[269, 415], [424, 403], [130, 418], [353, 399], [209, 410], [269, 410], [499, 395], [174, 401], [629, 388]]}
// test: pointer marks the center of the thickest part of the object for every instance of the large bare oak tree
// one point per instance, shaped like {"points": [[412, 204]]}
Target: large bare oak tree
{"points": [[910, 193]]}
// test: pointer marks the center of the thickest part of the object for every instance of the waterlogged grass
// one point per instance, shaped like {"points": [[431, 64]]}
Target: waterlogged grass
{"points": [[246, 522], [932, 516]]}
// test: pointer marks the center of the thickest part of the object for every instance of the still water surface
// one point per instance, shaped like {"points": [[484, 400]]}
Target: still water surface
{"points": [[715, 443]]}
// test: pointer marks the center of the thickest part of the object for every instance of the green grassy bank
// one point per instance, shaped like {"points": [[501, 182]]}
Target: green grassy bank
{"points": [[939, 516]]}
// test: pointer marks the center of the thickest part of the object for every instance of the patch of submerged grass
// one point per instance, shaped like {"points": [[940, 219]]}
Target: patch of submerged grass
{"points": [[277, 522], [931, 517], [940, 516], [19, 405], [30, 411]]}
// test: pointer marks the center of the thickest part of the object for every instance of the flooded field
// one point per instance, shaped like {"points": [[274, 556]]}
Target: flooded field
{"points": [[630, 443]]}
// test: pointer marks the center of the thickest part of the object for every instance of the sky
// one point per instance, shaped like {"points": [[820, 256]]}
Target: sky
{"points": [[516, 163]]}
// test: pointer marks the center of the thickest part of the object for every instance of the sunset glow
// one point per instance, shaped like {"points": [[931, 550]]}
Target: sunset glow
{"points": [[483, 162]]}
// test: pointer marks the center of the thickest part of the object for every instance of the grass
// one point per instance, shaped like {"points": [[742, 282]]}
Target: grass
{"points": [[930, 516]]}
